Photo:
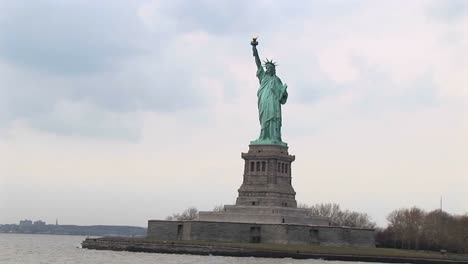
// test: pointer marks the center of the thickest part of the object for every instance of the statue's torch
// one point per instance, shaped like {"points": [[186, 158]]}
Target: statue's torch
{"points": [[254, 41], [254, 44]]}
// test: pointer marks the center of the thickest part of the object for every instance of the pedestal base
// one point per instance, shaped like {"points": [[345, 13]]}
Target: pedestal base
{"points": [[268, 142], [264, 215]]}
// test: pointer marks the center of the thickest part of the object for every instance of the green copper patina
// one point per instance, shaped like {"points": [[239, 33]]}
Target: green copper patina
{"points": [[271, 95]]}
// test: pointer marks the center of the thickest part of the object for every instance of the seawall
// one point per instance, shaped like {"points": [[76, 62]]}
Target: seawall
{"points": [[290, 234], [264, 250]]}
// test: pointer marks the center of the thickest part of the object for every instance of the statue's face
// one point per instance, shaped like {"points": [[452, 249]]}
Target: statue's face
{"points": [[270, 69]]}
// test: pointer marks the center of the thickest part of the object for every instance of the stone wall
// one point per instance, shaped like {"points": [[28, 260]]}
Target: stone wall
{"points": [[262, 218], [164, 230], [264, 233]]}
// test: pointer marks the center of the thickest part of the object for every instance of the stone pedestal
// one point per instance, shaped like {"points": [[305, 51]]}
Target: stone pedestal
{"points": [[267, 177], [266, 195]]}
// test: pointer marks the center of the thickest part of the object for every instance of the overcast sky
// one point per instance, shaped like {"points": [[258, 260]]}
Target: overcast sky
{"points": [[116, 112]]}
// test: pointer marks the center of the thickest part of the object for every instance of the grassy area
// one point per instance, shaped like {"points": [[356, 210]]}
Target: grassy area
{"points": [[316, 249]]}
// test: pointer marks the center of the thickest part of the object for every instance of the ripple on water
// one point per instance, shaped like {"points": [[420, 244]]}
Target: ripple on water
{"points": [[52, 249]]}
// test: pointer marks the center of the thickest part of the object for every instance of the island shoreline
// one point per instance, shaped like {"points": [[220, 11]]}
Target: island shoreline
{"points": [[256, 250]]}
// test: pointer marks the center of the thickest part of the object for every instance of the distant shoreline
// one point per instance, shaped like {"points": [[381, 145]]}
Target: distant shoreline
{"points": [[75, 230], [50, 234], [384, 255], [17, 233]]}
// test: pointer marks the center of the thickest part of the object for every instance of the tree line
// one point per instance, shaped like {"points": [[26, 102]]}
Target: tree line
{"points": [[340, 217], [414, 228]]}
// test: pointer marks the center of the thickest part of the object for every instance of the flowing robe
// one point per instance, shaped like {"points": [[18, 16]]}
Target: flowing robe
{"points": [[271, 95]]}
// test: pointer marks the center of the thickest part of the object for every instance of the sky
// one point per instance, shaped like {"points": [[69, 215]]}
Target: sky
{"points": [[117, 112]]}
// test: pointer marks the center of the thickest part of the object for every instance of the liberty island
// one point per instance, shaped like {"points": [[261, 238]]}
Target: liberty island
{"points": [[266, 208]]}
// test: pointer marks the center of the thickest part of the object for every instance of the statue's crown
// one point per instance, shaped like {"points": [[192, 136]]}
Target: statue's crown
{"points": [[266, 62]]}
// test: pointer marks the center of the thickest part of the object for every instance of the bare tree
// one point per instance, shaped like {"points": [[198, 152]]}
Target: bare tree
{"points": [[340, 217], [356, 219], [190, 213], [436, 229], [218, 208], [407, 227], [331, 210], [396, 224], [463, 234]]}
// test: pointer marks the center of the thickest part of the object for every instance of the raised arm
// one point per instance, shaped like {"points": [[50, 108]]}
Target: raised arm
{"points": [[254, 44]]}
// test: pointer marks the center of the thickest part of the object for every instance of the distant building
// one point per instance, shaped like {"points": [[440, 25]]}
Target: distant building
{"points": [[26, 222], [39, 223]]}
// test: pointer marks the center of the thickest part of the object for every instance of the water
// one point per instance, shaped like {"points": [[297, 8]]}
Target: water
{"points": [[52, 249]]}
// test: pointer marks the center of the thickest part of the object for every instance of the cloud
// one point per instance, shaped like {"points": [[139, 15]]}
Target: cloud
{"points": [[90, 54], [448, 11], [68, 37], [239, 18], [45, 101], [84, 120]]}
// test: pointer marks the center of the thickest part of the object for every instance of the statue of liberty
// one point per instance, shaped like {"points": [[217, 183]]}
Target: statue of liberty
{"points": [[271, 95]]}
